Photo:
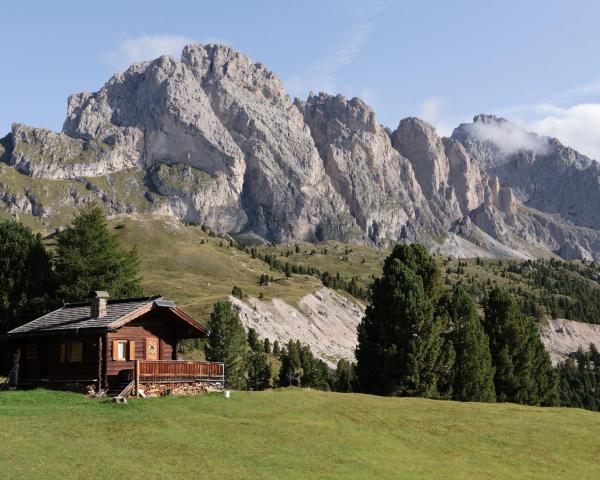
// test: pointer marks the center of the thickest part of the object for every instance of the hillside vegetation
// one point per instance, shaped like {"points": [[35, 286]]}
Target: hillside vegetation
{"points": [[291, 434], [189, 265]]}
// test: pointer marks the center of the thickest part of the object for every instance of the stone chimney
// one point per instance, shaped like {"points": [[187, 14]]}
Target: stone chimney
{"points": [[98, 305]]}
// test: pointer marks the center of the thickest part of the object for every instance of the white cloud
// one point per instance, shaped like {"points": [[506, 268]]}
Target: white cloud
{"points": [[146, 47], [323, 76], [577, 126], [509, 137], [432, 111]]}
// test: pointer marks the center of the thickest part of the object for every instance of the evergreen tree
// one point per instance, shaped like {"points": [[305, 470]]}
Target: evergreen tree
{"points": [[416, 258], [291, 368], [344, 376], [276, 347], [580, 380], [26, 279], [237, 292], [267, 346], [259, 371], [524, 373], [227, 343], [253, 341], [89, 258], [400, 344], [472, 374], [315, 373]]}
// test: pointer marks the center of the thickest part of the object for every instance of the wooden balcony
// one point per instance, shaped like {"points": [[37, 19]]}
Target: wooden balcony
{"points": [[177, 371]]}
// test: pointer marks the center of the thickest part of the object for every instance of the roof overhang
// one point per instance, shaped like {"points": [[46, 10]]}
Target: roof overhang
{"points": [[162, 304]]}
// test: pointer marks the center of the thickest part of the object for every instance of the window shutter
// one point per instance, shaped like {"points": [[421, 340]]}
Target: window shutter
{"points": [[131, 350], [115, 350], [63, 348]]}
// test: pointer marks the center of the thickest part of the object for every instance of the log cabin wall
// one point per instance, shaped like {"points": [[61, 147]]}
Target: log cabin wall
{"points": [[151, 325], [57, 359]]}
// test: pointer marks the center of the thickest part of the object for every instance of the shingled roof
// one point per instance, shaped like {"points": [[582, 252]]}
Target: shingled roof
{"points": [[77, 316]]}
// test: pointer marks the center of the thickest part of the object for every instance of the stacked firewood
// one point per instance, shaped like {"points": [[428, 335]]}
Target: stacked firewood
{"points": [[186, 388]]}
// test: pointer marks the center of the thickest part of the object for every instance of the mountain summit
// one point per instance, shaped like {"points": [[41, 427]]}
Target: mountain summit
{"points": [[215, 139]]}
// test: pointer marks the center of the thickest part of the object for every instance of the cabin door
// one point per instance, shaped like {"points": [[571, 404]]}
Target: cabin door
{"points": [[152, 348]]}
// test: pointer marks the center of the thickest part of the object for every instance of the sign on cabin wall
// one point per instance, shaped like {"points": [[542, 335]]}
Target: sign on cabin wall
{"points": [[152, 348]]}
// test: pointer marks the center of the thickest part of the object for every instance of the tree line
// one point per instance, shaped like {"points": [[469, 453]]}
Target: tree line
{"points": [[416, 340], [247, 357], [86, 257]]}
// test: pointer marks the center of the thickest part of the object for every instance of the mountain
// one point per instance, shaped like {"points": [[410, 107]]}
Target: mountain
{"points": [[214, 139]]}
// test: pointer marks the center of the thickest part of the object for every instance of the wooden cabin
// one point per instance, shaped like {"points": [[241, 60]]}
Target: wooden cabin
{"points": [[108, 345]]}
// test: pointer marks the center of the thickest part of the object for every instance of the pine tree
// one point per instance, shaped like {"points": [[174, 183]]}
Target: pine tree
{"points": [[259, 371], [276, 347], [237, 292], [416, 258], [267, 346], [400, 342], [227, 343], [89, 258], [315, 373], [291, 368], [524, 373], [472, 374], [344, 376], [253, 341]]}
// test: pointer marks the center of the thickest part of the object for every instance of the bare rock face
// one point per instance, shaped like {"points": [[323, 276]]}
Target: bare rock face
{"points": [[418, 141], [42, 153], [375, 181], [286, 191], [213, 138], [543, 173], [464, 176]]}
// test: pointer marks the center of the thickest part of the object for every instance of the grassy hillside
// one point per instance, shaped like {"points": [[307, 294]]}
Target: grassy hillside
{"points": [[291, 434], [186, 264]]}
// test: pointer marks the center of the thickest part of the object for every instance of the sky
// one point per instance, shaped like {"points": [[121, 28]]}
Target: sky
{"points": [[534, 62]]}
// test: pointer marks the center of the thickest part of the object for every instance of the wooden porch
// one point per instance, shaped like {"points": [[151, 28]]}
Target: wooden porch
{"points": [[173, 371], [178, 371]]}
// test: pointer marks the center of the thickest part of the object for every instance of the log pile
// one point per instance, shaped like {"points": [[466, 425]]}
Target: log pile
{"points": [[184, 388]]}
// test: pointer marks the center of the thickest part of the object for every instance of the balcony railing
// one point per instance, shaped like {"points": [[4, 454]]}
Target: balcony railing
{"points": [[166, 371]]}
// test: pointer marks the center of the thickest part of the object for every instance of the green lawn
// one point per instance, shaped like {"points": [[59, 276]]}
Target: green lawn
{"points": [[291, 434]]}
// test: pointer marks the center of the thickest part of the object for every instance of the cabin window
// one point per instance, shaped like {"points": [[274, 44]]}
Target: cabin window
{"points": [[71, 352], [123, 350], [30, 352]]}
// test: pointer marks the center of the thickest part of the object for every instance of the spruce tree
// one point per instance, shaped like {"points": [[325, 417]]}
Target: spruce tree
{"points": [[315, 373], [227, 343], [472, 374], [400, 342], [26, 278], [291, 368], [416, 258], [524, 373], [89, 258], [253, 341], [344, 376], [259, 371], [267, 346]]}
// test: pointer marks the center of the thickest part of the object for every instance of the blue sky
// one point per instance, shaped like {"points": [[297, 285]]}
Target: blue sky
{"points": [[535, 62]]}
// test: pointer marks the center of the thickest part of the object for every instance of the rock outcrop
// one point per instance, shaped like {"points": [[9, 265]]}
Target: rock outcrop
{"points": [[214, 138]]}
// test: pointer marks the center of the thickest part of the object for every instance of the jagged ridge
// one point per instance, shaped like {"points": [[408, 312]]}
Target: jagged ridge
{"points": [[214, 138]]}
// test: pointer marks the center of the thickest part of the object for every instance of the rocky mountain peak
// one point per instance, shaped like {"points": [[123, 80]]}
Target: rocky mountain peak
{"points": [[418, 141], [214, 138]]}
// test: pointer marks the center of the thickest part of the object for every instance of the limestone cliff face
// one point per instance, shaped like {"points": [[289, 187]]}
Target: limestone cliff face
{"points": [[543, 173], [376, 182], [213, 138]]}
